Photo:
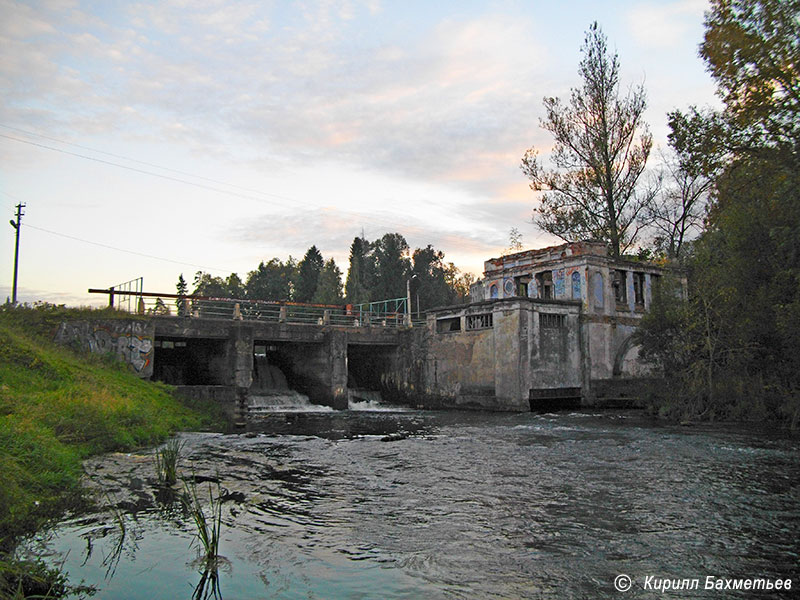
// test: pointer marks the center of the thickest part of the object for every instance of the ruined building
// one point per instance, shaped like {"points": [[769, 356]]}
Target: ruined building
{"points": [[549, 326], [545, 328]]}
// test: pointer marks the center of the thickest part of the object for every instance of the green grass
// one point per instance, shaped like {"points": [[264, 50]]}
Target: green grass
{"points": [[208, 527], [58, 408], [167, 458]]}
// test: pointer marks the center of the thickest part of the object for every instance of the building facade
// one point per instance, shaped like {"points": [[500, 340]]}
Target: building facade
{"points": [[548, 324]]}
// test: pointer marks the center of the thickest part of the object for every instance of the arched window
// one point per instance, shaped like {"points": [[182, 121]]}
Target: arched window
{"points": [[576, 285], [493, 291], [598, 290]]}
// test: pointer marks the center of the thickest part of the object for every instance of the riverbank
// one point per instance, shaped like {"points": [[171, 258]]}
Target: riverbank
{"points": [[58, 408]]}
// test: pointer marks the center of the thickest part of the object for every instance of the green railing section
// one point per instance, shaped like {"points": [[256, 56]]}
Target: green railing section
{"points": [[384, 313]]}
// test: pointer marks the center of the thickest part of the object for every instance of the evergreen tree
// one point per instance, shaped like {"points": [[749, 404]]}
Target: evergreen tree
{"points": [[431, 286], [159, 308], [308, 270], [329, 285], [392, 267], [358, 274], [182, 289]]}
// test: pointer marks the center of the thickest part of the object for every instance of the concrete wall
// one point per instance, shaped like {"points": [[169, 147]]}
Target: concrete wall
{"points": [[556, 353], [460, 365], [313, 357], [130, 340], [496, 366], [494, 355], [582, 272]]}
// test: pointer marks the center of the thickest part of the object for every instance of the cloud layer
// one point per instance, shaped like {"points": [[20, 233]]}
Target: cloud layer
{"points": [[443, 95]]}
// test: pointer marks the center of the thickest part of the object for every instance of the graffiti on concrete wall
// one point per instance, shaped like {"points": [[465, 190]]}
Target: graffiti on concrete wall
{"points": [[130, 341], [134, 349]]}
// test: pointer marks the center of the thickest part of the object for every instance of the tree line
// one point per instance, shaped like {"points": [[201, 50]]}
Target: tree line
{"points": [[725, 206], [378, 270]]}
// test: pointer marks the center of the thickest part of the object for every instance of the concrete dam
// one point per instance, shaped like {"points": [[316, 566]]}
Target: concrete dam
{"points": [[546, 329]]}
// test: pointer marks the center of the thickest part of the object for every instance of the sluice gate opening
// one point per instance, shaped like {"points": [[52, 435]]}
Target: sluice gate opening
{"points": [[288, 376], [554, 399], [367, 369], [190, 361]]}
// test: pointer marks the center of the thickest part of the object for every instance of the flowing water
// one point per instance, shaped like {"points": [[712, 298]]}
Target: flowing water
{"points": [[381, 504]]}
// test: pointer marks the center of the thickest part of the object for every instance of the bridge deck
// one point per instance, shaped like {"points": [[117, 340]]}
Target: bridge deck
{"points": [[209, 328]]}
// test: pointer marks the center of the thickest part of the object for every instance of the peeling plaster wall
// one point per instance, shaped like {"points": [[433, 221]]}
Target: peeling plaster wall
{"points": [[556, 357], [460, 365]]}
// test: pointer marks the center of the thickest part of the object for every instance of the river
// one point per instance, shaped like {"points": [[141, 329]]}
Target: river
{"points": [[411, 504]]}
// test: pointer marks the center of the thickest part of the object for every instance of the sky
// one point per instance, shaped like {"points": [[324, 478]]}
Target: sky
{"points": [[153, 139]]}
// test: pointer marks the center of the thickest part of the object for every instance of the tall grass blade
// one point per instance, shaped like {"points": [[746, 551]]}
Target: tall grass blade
{"points": [[167, 458], [208, 527]]}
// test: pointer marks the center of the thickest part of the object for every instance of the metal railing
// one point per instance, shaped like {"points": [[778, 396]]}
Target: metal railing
{"points": [[127, 292], [373, 314]]}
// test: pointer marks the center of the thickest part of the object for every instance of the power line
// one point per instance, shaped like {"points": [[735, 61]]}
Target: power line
{"points": [[77, 239], [141, 162], [293, 202], [129, 168]]}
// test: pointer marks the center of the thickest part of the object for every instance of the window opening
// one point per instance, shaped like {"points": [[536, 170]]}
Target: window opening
{"points": [[552, 321], [448, 325], [638, 288], [576, 285], [620, 286], [544, 281], [482, 321], [522, 285]]}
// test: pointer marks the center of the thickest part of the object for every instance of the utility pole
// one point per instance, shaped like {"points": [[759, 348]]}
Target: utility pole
{"points": [[16, 225]]}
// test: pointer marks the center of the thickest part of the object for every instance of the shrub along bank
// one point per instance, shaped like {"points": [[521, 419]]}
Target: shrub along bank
{"points": [[58, 408]]}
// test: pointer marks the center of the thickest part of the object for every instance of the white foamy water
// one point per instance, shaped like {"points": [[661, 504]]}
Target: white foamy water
{"points": [[370, 400], [283, 401]]}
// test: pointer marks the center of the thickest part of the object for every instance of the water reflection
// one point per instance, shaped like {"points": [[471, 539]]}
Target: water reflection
{"points": [[209, 586], [456, 505]]}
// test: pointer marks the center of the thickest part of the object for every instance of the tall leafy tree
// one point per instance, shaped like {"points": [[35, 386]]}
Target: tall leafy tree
{"points": [[734, 345], [676, 214], [460, 282], [329, 285], [392, 267], [214, 287], [206, 284], [751, 49], [235, 286], [271, 280], [432, 286], [308, 270], [601, 148]]}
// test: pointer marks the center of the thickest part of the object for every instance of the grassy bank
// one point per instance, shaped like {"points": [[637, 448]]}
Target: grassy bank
{"points": [[56, 409]]}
